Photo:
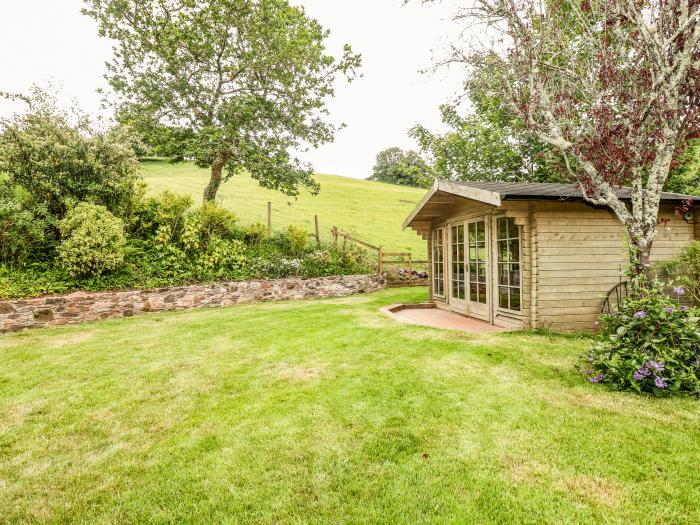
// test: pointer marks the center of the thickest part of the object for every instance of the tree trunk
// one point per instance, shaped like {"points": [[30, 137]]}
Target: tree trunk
{"points": [[217, 168], [640, 263]]}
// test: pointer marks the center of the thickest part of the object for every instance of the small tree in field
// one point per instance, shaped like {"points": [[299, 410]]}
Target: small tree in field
{"points": [[614, 85], [234, 84]]}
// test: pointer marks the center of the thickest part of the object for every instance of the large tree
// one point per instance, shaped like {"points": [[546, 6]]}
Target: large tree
{"points": [[614, 85], [405, 168], [486, 141], [234, 84]]}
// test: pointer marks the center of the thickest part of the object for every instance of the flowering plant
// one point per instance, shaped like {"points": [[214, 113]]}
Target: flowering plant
{"points": [[651, 344]]}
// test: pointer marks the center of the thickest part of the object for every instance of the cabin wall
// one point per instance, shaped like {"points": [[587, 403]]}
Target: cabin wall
{"points": [[581, 255], [697, 228]]}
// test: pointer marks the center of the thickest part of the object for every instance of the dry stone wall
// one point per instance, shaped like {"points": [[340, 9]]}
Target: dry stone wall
{"points": [[80, 307]]}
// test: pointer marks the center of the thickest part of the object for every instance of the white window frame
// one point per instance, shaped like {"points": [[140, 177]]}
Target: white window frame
{"points": [[438, 233], [497, 283]]}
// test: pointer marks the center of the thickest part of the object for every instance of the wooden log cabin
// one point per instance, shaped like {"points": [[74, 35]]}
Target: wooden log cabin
{"points": [[532, 255]]}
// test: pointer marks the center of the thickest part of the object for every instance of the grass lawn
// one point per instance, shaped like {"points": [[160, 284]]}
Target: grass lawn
{"points": [[372, 210], [328, 412]]}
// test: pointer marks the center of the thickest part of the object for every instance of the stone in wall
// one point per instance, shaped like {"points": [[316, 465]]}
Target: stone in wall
{"points": [[80, 307]]}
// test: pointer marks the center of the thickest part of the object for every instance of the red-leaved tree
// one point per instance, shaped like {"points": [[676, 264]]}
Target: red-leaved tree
{"points": [[613, 84]]}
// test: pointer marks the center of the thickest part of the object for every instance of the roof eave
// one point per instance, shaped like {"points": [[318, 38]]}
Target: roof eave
{"points": [[487, 197]]}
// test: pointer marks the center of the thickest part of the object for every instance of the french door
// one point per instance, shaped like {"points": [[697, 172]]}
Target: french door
{"points": [[458, 269], [469, 276], [478, 272]]}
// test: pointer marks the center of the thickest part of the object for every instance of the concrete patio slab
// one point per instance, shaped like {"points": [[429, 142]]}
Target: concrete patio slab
{"points": [[427, 314]]}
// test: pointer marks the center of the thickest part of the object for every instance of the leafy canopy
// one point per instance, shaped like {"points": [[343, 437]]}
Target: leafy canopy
{"points": [[233, 84], [405, 168], [61, 158]]}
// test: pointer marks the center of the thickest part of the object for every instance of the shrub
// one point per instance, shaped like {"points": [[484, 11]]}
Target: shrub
{"points": [[169, 220], [651, 344], [23, 225], [297, 240], [685, 270], [61, 159], [217, 221], [222, 256], [255, 234], [92, 241]]}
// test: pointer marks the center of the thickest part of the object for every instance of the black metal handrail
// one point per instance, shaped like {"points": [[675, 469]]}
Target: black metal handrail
{"points": [[615, 298]]}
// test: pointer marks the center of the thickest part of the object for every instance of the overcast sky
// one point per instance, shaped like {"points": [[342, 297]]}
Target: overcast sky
{"points": [[45, 41]]}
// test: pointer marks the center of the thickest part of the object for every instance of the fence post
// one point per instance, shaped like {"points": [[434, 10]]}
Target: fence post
{"points": [[410, 269], [269, 219], [380, 256], [318, 233], [335, 236]]}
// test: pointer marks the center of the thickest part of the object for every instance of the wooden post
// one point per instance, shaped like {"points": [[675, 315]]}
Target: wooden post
{"points": [[380, 256], [410, 269], [269, 219], [318, 233], [335, 236]]}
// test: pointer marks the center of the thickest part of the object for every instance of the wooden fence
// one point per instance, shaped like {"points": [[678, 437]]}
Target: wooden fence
{"points": [[384, 259]]}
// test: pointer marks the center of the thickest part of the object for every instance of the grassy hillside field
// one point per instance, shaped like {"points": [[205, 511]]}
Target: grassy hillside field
{"points": [[372, 210]]}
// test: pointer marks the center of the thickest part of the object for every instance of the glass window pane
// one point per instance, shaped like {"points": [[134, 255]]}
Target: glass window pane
{"points": [[482, 253], [482, 294], [503, 274], [502, 228], [514, 250], [472, 232], [503, 251], [503, 297], [472, 253], [515, 298], [512, 228], [473, 291], [481, 231], [482, 272], [472, 272], [515, 275]]}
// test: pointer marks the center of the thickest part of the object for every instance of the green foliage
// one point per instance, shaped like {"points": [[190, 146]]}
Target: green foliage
{"points": [[405, 168], [23, 225], [651, 345], [233, 84], [271, 262], [297, 240], [92, 241], [684, 269], [255, 233], [490, 144], [685, 178], [198, 243], [61, 159]]}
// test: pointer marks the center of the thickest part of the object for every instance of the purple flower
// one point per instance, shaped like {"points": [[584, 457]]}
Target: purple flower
{"points": [[684, 308], [670, 310], [641, 314], [660, 383], [656, 367], [597, 379], [638, 376], [679, 290]]}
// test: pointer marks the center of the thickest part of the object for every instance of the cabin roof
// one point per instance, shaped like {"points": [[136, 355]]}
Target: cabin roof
{"points": [[539, 190], [493, 193]]}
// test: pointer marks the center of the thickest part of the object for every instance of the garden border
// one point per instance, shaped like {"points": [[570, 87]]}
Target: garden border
{"points": [[80, 307]]}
